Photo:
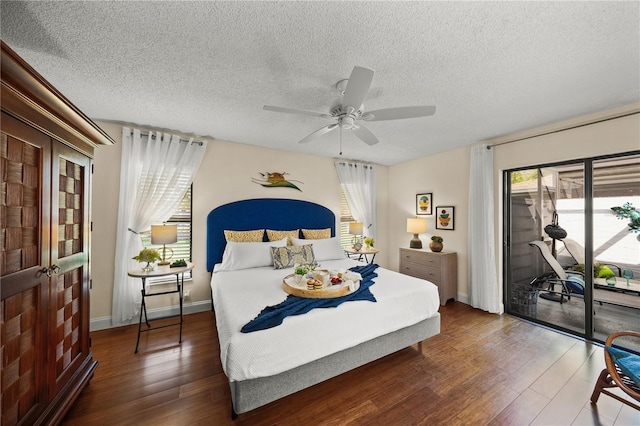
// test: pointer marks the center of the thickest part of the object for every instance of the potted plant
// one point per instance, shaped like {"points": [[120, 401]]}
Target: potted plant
{"points": [[148, 255], [302, 270], [436, 243], [369, 242]]}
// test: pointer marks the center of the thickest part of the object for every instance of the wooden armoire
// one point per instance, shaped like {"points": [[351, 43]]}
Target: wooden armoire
{"points": [[47, 149]]}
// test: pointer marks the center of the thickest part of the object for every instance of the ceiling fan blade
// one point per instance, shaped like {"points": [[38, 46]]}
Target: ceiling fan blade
{"points": [[357, 87], [319, 132], [399, 113], [365, 135], [297, 111]]}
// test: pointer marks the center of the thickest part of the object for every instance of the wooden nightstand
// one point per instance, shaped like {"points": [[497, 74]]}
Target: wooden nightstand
{"points": [[439, 268]]}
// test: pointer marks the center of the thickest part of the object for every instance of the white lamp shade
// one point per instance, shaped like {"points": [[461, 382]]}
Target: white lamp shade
{"points": [[416, 225], [164, 234], [355, 228]]}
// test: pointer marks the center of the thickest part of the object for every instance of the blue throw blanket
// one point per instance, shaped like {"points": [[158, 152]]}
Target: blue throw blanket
{"points": [[272, 316]]}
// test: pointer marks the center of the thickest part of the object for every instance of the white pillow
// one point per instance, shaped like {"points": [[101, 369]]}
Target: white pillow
{"points": [[248, 255], [324, 249]]}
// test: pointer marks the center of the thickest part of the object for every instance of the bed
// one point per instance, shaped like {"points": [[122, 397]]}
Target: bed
{"points": [[266, 365]]}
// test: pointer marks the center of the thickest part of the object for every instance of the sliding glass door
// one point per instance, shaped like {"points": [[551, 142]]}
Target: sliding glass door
{"points": [[616, 249], [547, 198], [572, 258]]}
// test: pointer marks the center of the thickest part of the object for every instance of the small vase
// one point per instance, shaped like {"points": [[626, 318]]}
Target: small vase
{"points": [[435, 246], [148, 267]]}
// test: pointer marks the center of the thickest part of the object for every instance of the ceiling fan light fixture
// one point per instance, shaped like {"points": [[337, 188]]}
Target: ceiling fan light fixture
{"points": [[347, 122]]}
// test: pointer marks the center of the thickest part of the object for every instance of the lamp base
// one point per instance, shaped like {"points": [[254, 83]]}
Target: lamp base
{"points": [[416, 242], [165, 260]]}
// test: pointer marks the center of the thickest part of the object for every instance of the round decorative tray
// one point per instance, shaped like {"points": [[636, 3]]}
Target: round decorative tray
{"points": [[291, 286]]}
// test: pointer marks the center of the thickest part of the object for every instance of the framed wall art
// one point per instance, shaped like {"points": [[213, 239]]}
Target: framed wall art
{"points": [[424, 204], [445, 217]]}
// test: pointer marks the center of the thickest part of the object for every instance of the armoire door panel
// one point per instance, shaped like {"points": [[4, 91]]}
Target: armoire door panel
{"points": [[70, 241], [71, 205], [22, 318], [25, 206], [68, 323], [24, 201]]}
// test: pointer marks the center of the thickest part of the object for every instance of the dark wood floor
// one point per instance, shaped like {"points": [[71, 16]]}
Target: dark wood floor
{"points": [[481, 369]]}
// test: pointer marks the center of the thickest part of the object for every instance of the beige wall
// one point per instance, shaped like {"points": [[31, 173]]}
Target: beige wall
{"points": [[224, 176], [104, 215], [446, 175]]}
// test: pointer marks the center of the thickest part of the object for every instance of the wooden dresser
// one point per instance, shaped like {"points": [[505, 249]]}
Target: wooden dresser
{"points": [[439, 268], [46, 150]]}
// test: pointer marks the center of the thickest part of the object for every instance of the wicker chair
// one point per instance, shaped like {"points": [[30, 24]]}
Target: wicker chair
{"points": [[612, 376]]}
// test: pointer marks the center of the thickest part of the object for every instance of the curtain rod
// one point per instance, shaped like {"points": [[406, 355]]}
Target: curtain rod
{"points": [[357, 162], [562, 130], [180, 140]]}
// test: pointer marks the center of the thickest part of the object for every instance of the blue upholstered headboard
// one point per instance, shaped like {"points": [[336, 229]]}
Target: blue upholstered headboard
{"points": [[263, 213]]}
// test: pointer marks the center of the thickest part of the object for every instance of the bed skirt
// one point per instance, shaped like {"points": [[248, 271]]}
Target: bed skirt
{"points": [[247, 395]]}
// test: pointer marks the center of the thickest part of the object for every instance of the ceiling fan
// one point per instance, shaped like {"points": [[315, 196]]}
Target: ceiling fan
{"points": [[348, 109]]}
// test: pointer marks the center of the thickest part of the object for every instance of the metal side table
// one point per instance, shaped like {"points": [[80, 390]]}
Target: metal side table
{"points": [[363, 252], [160, 271]]}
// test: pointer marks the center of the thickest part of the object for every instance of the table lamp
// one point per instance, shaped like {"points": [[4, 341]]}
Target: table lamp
{"points": [[164, 234], [355, 228], [415, 226]]}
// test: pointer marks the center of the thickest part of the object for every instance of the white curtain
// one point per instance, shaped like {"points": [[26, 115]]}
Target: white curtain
{"points": [[483, 279], [156, 171], [358, 181]]}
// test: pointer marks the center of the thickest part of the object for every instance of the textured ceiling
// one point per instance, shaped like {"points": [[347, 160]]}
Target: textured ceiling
{"points": [[207, 68]]}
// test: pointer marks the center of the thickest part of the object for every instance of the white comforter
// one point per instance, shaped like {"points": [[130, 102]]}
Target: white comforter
{"points": [[239, 296]]}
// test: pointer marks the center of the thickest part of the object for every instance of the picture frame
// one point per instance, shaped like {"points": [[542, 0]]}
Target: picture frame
{"points": [[424, 204], [445, 217]]}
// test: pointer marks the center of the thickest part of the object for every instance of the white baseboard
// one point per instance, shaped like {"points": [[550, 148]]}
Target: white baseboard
{"points": [[104, 323], [463, 298]]}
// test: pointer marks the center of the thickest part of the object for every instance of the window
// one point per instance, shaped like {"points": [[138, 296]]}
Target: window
{"points": [[182, 218], [345, 219]]}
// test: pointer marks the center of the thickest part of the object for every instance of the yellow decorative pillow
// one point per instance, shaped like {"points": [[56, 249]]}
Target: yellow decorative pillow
{"points": [[255, 236], [287, 257], [278, 235], [316, 234]]}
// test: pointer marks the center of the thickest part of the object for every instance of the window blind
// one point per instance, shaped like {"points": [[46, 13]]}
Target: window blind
{"points": [[182, 248], [345, 218]]}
